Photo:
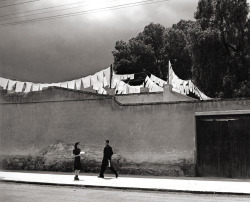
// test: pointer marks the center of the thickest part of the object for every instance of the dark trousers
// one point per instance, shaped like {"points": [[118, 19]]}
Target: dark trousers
{"points": [[104, 166]]}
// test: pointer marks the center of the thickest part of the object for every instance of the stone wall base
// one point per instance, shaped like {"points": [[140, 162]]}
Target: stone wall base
{"points": [[41, 163]]}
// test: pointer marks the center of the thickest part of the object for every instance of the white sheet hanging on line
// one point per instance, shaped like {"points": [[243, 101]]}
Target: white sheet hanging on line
{"points": [[64, 85], [100, 76], [11, 85], [56, 84], [191, 86], [137, 89], [105, 82], [93, 79], [27, 87], [3, 83], [97, 85], [152, 86], [86, 82], [101, 90], [131, 76], [43, 86], [107, 74], [120, 86], [35, 87], [114, 83], [19, 86], [71, 85], [78, 83]]}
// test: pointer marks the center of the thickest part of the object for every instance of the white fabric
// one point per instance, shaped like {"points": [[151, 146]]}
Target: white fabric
{"points": [[56, 84], [101, 90], [105, 82], [137, 89], [191, 86], [64, 85], [99, 76], [132, 76], [78, 83], [42, 86], [28, 86], [35, 87], [116, 77], [104, 92], [49, 85], [86, 82], [3, 83], [124, 77], [106, 73], [125, 89], [19, 86], [131, 89], [11, 85], [97, 86], [114, 83], [93, 79], [184, 86], [71, 84], [152, 86], [120, 86]]}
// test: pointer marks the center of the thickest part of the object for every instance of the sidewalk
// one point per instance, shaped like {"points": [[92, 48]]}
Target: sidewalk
{"points": [[192, 185]]}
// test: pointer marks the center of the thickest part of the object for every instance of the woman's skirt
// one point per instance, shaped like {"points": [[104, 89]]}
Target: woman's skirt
{"points": [[77, 163]]}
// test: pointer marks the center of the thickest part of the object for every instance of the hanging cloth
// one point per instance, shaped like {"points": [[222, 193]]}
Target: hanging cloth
{"points": [[3, 83], [100, 76], [71, 85], [64, 85], [105, 82], [114, 83], [86, 82], [97, 85], [35, 87], [78, 84], [27, 87], [11, 85], [107, 74], [42, 86], [19, 86], [56, 84], [131, 76], [93, 79]]}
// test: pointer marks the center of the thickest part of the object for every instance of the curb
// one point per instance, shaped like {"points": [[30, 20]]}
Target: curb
{"points": [[125, 188]]}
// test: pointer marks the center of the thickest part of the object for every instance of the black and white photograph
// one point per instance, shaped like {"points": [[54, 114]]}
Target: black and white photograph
{"points": [[124, 100]]}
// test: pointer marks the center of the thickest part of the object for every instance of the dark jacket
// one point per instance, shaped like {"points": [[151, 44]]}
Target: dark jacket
{"points": [[107, 152]]}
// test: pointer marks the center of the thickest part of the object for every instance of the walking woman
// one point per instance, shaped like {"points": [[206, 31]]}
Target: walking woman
{"points": [[77, 163]]}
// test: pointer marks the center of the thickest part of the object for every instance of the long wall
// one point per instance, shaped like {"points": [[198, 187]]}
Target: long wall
{"points": [[158, 137]]}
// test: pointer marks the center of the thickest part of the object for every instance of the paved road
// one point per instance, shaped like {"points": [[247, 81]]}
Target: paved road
{"points": [[12, 192]]}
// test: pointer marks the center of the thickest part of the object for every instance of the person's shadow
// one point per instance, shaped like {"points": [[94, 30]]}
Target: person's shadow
{"points": [[108, 178]]}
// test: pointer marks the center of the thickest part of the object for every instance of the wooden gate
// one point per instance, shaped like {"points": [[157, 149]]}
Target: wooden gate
{"points": [[223, 146]]}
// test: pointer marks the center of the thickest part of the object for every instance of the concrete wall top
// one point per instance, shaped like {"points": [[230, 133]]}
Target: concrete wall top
{"points": [[51, 94]]}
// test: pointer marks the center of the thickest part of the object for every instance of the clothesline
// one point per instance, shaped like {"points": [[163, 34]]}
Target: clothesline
{"points": [[104, 78]]}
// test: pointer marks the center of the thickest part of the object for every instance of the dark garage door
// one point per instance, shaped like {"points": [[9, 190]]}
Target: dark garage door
{"points": [[223, 146]]}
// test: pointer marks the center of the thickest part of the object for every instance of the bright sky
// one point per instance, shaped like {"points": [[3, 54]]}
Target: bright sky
{"points": [[71, 47]]}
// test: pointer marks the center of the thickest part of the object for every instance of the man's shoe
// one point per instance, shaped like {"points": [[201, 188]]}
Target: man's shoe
{"points": [[76, 178], [100, 176], [116, 175]]}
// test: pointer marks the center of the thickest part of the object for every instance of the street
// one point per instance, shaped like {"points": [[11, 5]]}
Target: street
{"points": [[11, 192]]}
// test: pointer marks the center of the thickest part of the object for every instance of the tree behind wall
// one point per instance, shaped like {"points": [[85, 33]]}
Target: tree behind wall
{"points": [[213, 51], [220, 48], [145, 51]]}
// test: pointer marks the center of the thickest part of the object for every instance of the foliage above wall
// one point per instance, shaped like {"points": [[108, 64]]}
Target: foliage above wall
{"points": [[213, 50]]}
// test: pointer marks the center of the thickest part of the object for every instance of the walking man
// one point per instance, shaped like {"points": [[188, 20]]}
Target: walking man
{"points": [[106, 161]]}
